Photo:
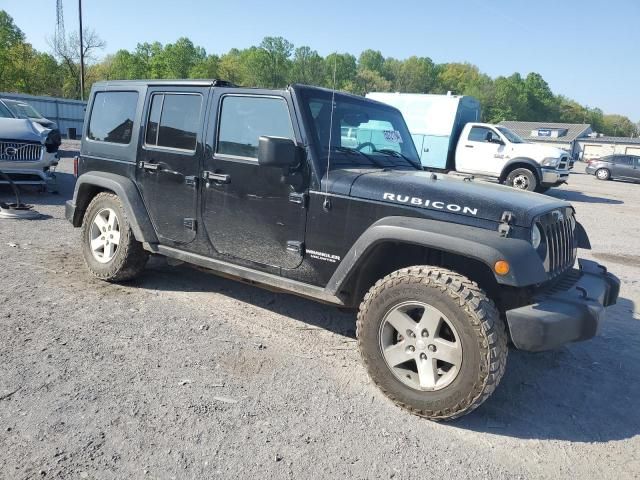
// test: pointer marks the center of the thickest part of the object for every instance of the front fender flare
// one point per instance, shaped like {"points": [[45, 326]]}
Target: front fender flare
{"points": [[486, 246], [129, 195]]}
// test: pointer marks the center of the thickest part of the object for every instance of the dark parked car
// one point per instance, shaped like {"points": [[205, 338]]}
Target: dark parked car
{"points": [[262, 186], [625, 167]]}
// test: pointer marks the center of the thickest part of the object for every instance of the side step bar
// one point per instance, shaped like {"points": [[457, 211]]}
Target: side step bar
{"points": [[243, 273]]}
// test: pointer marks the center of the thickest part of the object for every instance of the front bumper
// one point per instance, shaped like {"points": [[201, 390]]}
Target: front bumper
{"points": [[30, 172], [571, 312], [554, 177], [590, 170]]}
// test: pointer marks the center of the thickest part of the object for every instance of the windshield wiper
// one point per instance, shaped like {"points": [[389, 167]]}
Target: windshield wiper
{"points": [[355, 151], [394, 153]]}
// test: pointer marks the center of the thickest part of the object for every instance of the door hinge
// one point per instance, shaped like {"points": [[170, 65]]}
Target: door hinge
{"points": [[299, 198], [190, 224], [191, 181], [295, 246]]}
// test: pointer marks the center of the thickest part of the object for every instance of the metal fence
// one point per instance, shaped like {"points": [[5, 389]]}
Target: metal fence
{"points": [[68, 114]]}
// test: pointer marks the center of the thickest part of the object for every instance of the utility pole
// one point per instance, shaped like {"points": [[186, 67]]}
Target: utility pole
{"points": [[81, 52]]}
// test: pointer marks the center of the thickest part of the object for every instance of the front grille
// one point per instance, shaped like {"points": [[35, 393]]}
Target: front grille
{"points": [[563, 163], [20, 151], [558, 229]]}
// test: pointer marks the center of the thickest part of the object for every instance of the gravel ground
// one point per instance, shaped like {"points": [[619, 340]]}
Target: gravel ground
{"points": [[189, 376]]}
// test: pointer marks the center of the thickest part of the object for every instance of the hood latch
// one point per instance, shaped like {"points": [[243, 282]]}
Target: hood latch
{"points": [[507, 219]]}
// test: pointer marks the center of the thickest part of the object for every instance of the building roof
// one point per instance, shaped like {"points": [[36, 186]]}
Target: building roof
{"points": [[568, 131], [614, 140]]}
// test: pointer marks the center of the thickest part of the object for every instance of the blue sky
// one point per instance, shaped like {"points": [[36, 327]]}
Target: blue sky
{"points": [[588, 50]]}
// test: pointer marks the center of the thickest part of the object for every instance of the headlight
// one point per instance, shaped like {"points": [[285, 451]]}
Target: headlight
{"points": [[536, 236], [550, 162]]}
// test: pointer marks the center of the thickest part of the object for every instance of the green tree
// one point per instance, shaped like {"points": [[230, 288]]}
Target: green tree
{"points": [[307, 67], [458, 77], [343, 65], [542, 103], [275, 62], [371, 60], [369, 81]]}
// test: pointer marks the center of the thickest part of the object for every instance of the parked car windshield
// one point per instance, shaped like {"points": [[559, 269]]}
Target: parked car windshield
{"points": [[22, 110], [511, 136], [365, 134]]}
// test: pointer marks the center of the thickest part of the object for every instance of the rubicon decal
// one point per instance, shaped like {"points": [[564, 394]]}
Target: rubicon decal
{"points": [[426, 203]]}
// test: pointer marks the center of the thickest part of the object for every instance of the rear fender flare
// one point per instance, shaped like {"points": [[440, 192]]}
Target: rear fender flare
{"points": [[129, 195]]}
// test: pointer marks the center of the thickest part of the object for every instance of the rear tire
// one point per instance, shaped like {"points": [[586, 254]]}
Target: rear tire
{"points": [[522, 179], [109, 247], [447, 329], [603, 174]]}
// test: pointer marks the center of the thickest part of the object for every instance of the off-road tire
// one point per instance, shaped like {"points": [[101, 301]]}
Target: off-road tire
{"points": [[130, 257], [482, 332], [603, 174], [514, 177]]}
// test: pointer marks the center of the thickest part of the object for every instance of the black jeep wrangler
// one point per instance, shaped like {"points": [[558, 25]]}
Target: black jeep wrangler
{"points": [[322, 194]]}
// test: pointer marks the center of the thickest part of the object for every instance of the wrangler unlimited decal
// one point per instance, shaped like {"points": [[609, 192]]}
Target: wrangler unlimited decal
{"points": [[420, 202]]}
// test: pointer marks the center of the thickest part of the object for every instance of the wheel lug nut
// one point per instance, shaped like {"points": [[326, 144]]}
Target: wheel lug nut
{"points": [[411, 349], [432, 348], [423, 356], [425, 333], [411, 333]]}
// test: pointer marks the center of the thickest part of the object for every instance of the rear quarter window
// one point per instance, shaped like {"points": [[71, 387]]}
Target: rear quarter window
{"points": [[112, 117]]}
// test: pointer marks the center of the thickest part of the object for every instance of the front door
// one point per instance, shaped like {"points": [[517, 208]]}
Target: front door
{"points": [[251, 212], [480, 152], [169, 160]]}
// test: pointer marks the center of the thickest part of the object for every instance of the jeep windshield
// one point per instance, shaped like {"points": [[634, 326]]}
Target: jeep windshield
{"points": [[362, 133]]}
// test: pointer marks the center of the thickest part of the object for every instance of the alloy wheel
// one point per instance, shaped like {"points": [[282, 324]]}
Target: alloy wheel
{"points": [[420, 346]]}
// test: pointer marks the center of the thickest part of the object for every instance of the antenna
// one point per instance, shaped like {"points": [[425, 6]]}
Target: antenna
{"points": [[327, 204]]}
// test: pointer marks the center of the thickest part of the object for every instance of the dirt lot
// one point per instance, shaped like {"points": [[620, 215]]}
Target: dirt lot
{"points": [[189, 376]]}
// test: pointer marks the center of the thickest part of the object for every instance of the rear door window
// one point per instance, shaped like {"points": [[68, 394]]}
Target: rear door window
{"points": [[174, 121], [112, 117], [244, 119]]}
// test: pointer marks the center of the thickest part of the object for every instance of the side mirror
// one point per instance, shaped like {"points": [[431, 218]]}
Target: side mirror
{"points": [[278, 152]]}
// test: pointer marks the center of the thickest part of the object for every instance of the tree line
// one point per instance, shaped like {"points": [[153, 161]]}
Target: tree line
{"points": [[276, 62]]}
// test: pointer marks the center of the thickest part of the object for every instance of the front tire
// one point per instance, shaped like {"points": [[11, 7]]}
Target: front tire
{"points": [[432, 341], [522, 179], [603, 174], [109, 247]]}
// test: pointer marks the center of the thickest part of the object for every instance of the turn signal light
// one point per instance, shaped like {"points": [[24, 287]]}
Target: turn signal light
{"points": [[501, 267], [75, 166]]}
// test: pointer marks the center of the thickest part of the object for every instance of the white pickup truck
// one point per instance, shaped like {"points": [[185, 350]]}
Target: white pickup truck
{"points": [[448, 137]]}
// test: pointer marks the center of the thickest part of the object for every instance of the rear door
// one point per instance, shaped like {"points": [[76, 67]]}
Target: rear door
{"points": [[169, 159], [477, 154]]}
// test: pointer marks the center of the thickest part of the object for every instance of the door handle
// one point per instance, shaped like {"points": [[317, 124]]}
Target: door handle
{"points": [[217, 177], [469, 146], [150, 166]]}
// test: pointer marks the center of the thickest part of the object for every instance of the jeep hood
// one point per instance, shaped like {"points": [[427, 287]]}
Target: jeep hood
{"points": [[22, 130], [444, 193]]}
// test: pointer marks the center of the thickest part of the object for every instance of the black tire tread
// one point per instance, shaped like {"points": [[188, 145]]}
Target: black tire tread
{"points": [[485, 320], [131, 257]]}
